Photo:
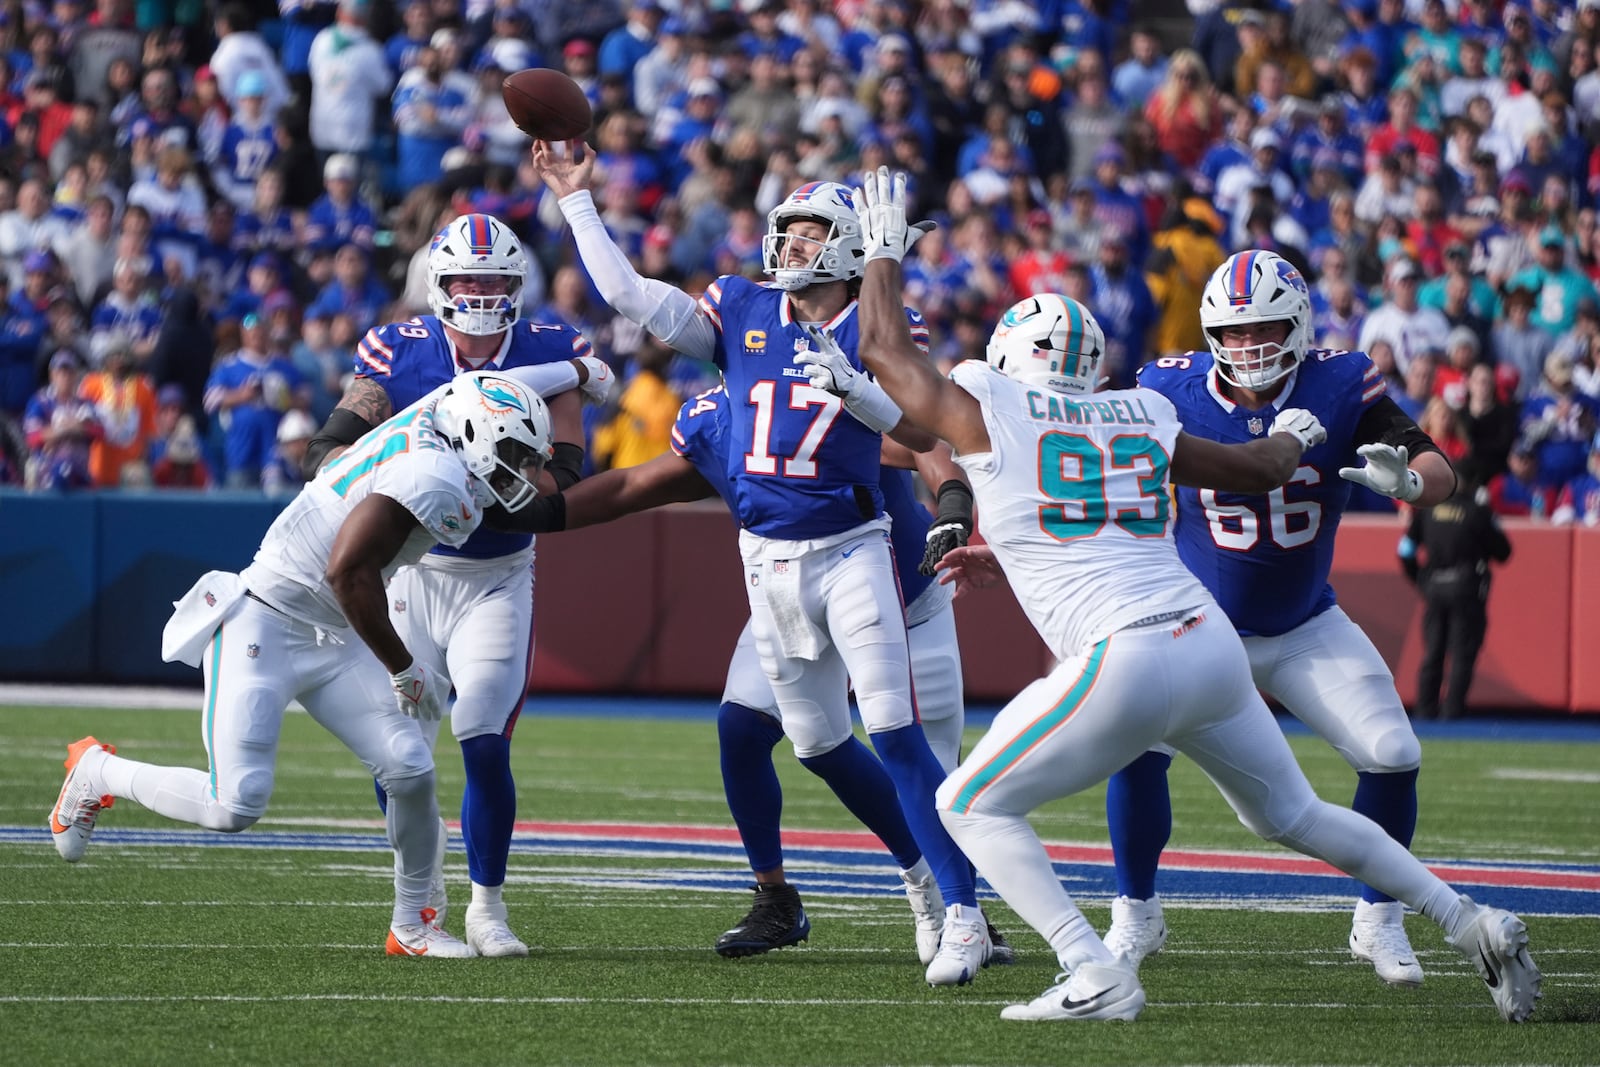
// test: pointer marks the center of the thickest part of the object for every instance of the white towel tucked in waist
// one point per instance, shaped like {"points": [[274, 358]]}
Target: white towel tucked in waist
{"points": [[196, 617]]}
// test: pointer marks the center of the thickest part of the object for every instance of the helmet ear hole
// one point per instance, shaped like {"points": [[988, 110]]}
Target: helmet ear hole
{"points": [[468, 432]]}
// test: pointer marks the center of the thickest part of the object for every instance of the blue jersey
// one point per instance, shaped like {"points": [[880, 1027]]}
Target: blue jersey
{"points": [[700, 435], [411, 359], [799, 467], [1266, 557], [245, 153]]}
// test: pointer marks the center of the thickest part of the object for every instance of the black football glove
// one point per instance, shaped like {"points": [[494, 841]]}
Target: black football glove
{"points": [[951, 528]]}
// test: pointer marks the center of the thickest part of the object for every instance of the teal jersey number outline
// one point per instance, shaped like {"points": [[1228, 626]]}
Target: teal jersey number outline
{"points": [[397, 438], [1082, 509]]}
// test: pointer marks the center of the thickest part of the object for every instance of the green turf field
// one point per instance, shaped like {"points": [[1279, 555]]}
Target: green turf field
{"points": [[179, 954]]}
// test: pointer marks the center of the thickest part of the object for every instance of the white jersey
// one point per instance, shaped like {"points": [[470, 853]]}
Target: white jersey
{"points": [[403, 458], [1073, 498]]}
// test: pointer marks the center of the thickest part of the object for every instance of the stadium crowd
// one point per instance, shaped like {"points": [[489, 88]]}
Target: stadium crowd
{"points": [[203, 209]]}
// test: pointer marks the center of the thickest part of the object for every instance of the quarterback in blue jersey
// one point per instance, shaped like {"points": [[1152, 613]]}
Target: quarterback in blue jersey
{"points": [[468, 610], [749, 724], [1266, 560], [802, 459]]}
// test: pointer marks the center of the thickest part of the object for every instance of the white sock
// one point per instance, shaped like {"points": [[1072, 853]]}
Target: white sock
{"points": [[413, 825], [486, 894], [180, 793], [1010, 855]]}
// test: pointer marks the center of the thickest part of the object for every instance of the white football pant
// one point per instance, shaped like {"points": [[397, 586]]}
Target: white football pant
{"points": [[1186, 683], [472, 621], [935, 672]]}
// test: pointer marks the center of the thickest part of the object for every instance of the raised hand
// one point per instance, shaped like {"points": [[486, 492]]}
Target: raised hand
{"points": [[881, 206], [1386, 471], [564, 173]]}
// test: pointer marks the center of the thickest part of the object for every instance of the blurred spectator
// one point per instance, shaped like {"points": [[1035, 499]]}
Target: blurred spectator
{"points": [[248, 145], [1337, 321], [94, 48], [324, 361], [1185, 254], [1489, 424], [1479, 300], [1558, 423], [664, 70], [1520, 491], [625, 46], [84, 132], [88, 252], [1402, 322], [1579, 501], [766, 105], [569, 305], [1579, 347], [1462, 351], [242, 54], [302, 21], [338, 217], [282, 476], [402, 51], [1439, 422], [1504, 247], [353, 292], [641, 429], [177, 206], [249, 391], [1137, 78], [1122, 303], [1235, 185], [348, 76], [1402, 129], [1114, 207], [125, 407], [28, 227], [1386, 191], [180, 464], [1418, 377], [130, 310], [1042, 267], [1516, 341], [1558, 288], [60, 428], [433, 106]]}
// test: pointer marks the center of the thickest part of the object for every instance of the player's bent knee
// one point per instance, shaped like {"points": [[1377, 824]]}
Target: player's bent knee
{"points": [[1395, 749], [409, 785], [247, 802], [810, 747], [227, 821], [1281, 824]]}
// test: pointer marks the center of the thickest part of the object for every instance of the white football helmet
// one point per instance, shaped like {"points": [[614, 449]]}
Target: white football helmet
{"points": [[839, 257], [1049, 340], [502, 430], [477, 245], [1256, 286]]}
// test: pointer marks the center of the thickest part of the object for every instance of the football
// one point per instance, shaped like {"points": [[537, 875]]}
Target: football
{"points": [[546, 104]]}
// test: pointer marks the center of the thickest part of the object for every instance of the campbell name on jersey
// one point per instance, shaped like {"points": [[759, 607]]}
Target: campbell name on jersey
{"points": [[403, 459], [1074, 487], [1266, 557], [410, 359], [799, 466], [700, 435]]}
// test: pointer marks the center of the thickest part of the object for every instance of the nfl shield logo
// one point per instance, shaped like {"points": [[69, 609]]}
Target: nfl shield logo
{"points": [[211, 601], [399, 607], [781, 567], [252, 651], [1256, 425]]}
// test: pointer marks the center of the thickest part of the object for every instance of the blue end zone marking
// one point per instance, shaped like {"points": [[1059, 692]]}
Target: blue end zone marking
{"points": [[845, 872]]}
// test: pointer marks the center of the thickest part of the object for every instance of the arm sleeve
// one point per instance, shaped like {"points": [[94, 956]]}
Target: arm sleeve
{"points": [[1385, 423], [344, 427], [666, 311], [546, 379]]}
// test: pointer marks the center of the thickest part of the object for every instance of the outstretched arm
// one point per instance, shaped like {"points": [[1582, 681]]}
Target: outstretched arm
{"points": [[665, 310], [667, 479], [926, 397], [1255, 467]]}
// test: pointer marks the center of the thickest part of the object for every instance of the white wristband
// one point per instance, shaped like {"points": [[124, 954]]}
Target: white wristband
{"points": [[872, 407]]}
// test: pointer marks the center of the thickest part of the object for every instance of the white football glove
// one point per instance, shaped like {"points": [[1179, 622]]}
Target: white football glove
{"points": [[1385, 472], [598, 379], [1301, 425], [831, 371], [418, 692], [827, 366], [881, 206]]}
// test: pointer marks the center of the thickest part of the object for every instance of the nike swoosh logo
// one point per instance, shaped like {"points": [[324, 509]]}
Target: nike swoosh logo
{"points": [[850, 552], [1073, 1005], [1491, 977]]}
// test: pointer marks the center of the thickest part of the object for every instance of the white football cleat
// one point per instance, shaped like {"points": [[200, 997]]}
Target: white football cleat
{"points": [[1496, 943], [963, 947], [488, 933], [1138, 929], [80, 802], [425, 938], [1093, 991], [1378, 935], [927, 904]]}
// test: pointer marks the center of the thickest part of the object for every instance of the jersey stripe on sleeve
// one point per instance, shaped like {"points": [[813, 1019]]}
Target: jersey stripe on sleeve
{"points": [[1373, 385], [374, 353]]}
